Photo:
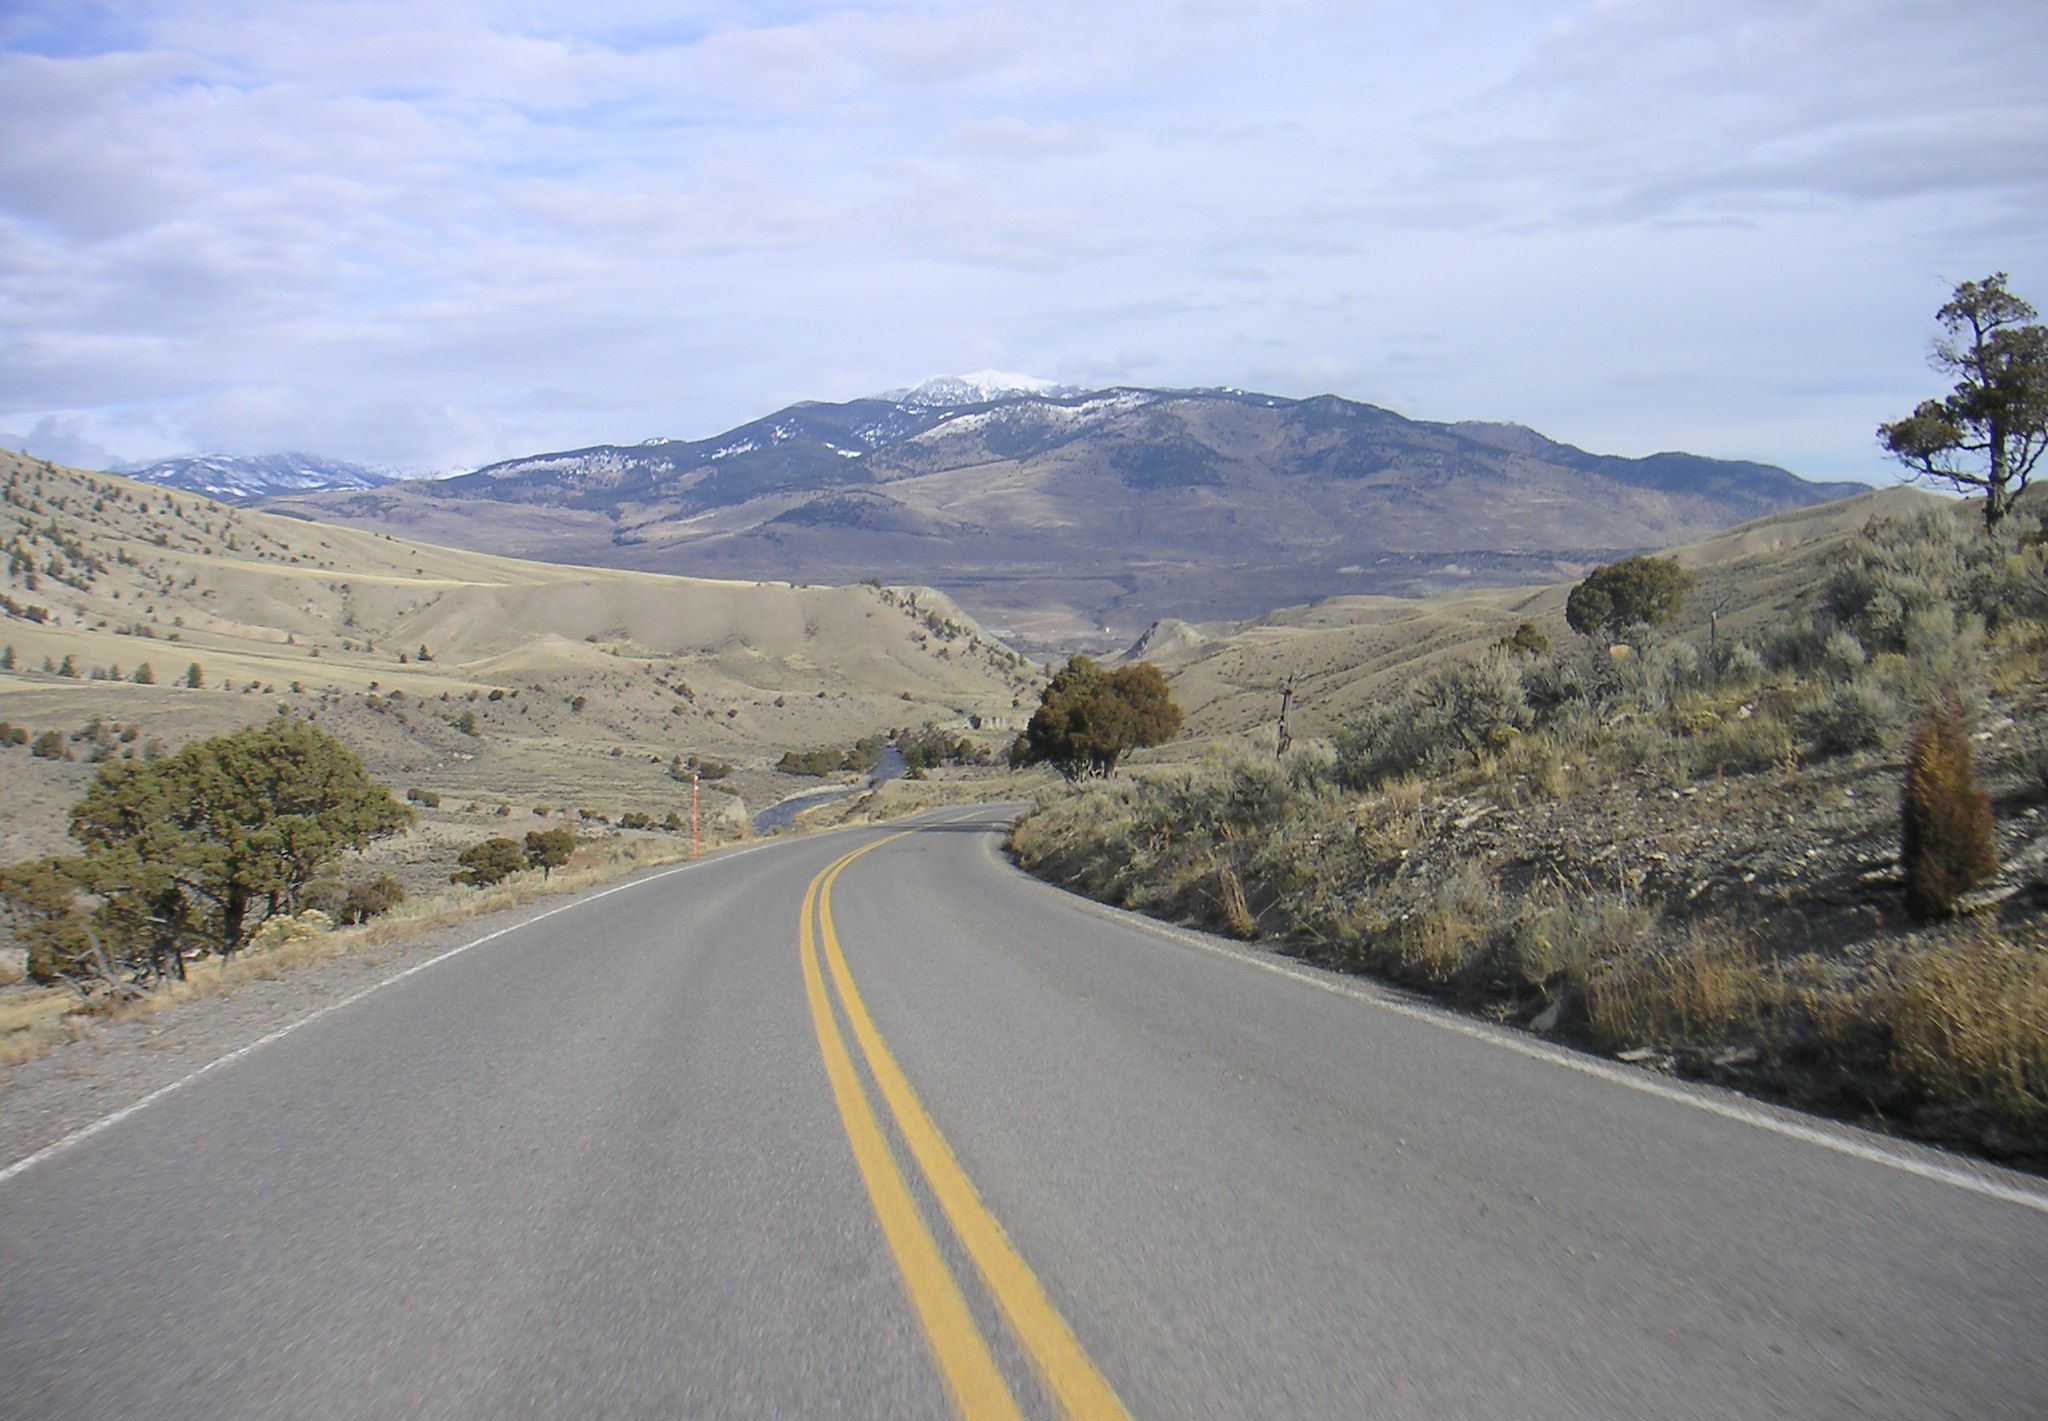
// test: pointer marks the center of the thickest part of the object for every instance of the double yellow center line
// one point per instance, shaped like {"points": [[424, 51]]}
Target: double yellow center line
{"points": [[962, 1354]]}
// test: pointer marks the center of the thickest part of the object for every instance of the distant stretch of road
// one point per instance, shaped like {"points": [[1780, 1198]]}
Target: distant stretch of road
{"points": [[870, 1125]]}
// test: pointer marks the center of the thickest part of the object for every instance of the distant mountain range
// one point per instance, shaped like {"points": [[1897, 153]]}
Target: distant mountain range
{"points": [[244, 478], [1068, 517]]}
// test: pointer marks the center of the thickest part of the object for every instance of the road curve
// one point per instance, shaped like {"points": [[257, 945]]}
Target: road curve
{"points": [[871, 1125]]}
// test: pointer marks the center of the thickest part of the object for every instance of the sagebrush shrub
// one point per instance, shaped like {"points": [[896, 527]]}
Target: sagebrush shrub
{"points": [[1850, 716]]}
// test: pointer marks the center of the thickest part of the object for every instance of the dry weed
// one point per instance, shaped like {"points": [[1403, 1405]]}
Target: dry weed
{"points": [[1695, 990], [1969, 1021]]}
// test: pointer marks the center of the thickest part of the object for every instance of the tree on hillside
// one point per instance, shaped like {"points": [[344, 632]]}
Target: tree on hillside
{"points": [[1088, 718], [488, 861], [1638, 590], [549, 849], [46, 914], [225, 834], [1987, 434]]}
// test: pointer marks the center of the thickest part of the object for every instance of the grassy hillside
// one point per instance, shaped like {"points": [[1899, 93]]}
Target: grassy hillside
{"points": [[1347, 653], [493, 683]]}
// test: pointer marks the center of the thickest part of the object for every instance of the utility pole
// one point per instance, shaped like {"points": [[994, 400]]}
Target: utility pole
{"points": [[695, 845], [1284, 739]]}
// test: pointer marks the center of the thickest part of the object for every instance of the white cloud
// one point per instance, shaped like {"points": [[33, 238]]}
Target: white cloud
{"points": [[423, 234]]}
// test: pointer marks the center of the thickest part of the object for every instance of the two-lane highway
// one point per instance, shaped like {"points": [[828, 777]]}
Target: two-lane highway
{"points": [[871, 1125]]}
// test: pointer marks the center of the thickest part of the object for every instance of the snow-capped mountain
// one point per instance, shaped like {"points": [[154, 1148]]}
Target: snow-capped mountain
{"points": [[978, 388], [1118, 505], [242, 478]]}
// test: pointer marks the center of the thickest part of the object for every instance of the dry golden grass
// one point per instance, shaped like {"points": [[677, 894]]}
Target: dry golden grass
{"points": [[1969, 1021], [579, 686], [1700, 988]]}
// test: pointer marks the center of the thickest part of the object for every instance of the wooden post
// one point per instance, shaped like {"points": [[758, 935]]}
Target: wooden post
{"points": [[1283, 740], [696, 846]]}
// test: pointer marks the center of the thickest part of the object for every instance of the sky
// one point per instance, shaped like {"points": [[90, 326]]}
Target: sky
{"points": [[427, 234]]}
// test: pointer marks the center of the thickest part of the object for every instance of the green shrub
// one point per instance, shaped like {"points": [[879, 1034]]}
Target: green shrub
{"points": [[549, 849], [491, 861], [1634, 591], [50, 746], [368, 898], [426, 797], [1850, 716]]}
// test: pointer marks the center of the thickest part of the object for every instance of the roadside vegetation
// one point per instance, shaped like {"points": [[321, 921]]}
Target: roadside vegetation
{"points": [[1810, 861], [1709, 857]]}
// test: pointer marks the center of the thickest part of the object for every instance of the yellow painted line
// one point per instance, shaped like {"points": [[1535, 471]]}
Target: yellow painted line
{"points": [[1065, 1369], [964, 1361]]}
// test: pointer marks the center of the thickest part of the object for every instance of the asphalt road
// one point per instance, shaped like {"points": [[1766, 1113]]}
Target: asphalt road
{"points": [[924, 1137]]}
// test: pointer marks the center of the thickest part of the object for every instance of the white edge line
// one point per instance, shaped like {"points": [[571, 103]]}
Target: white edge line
{"points": [[1731, 1108], [108, 1122]]}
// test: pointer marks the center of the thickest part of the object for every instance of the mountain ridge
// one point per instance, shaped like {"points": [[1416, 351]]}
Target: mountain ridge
{"points": [[244, 478], [1073, 518]]}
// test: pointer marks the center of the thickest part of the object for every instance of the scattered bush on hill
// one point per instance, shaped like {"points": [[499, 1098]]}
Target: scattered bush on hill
{"points": [[1320, 847], [549, 849], [488, 861]]}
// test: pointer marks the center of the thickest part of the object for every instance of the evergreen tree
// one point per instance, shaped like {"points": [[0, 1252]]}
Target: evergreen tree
{"points": [[549, 849], [1088, 718], [228, 832], [1638, 590], [488, 862], [1987, 434]]}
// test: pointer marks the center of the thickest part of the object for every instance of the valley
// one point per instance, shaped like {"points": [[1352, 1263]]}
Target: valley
{"points": [[499, 688]]}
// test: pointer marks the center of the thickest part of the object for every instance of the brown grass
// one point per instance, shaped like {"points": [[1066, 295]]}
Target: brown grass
{"points": [[1969, 1020], [1698, 989]]}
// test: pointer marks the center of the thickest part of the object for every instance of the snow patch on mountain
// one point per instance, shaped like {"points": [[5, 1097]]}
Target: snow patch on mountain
{"points": [[240, 478], [979, 387], [1045, 412]]}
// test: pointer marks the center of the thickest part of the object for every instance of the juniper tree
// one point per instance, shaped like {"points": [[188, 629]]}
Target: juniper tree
{"points": [[1623, 594], [1088, 718], [1987, 434], [234, 829]]}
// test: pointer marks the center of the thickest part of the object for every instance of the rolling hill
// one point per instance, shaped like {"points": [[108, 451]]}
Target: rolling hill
{"points": [[1348, 652], [502, 682]]}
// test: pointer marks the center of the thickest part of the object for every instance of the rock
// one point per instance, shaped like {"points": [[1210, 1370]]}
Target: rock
{"points": [[1638, 1055], [1739, 1056], [1547, 1019], [1977, 900]]}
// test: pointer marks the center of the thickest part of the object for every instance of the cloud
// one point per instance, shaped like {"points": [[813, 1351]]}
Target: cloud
{"points": [[61, 441], [428, 233]]}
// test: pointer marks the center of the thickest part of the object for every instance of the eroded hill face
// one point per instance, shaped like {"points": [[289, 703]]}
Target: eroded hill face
{"points": [[498, 681], [1076, 519]]}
